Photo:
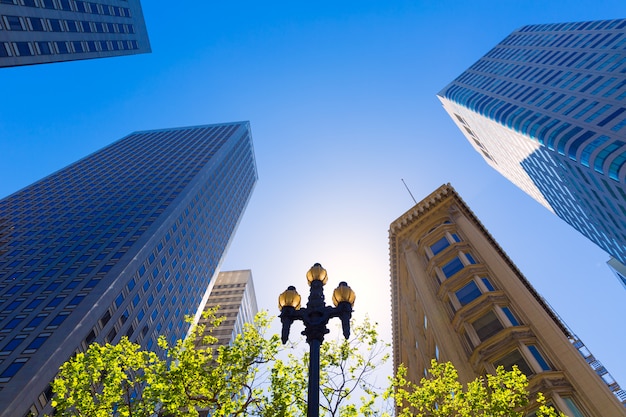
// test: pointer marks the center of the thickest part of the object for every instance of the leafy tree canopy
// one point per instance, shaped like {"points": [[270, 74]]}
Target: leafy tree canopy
{"points": [[256, 376]]}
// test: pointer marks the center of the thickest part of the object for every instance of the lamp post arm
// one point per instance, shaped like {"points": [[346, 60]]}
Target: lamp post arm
{"points": [[287, 316]]}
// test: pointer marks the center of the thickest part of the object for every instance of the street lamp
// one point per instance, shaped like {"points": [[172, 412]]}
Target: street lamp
{"points": [[315, 317]]}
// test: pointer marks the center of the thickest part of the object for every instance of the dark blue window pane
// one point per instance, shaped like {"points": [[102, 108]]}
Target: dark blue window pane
{"points": [[12, 324], [452, 267], [469, 258], [439, 245], [34, 303], [36, 321], [78, 46], [487, 284], [55, 302], [23, 48], [44, 48], [14, 23], [55, 25], [510, 316], [91, 283], [539, 358], [119, 300], [468, 293], [12, 344], [36, 344], [58, 320], [76, 300], [12, 369]]}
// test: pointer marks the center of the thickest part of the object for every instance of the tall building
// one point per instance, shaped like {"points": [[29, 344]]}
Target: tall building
{"points": [[545, 108], [457, 297], [125, 242], [234, 294], [43, 31]]}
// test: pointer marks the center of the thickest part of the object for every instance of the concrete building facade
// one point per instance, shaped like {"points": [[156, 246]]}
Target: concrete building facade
{"points": [[234, 294], [456, 296]]}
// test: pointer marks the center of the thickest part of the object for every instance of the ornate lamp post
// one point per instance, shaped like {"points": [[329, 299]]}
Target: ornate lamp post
{"points": [[315, 317]]}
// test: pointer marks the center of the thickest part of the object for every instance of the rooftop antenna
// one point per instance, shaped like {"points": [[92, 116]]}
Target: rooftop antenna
{"points": [[407, 188]]}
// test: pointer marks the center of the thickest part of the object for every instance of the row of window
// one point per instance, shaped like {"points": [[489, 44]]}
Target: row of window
{"points": [[36, 24], [565, 39], [575, 195], [546, 130], [73, 6], [490, 322], [61, 48], [590, 25], [527, 357], [74, 211], [532, 92]]}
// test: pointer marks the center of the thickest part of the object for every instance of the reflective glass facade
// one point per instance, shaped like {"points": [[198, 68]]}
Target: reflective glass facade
{"points": [[123, 242], [546, 109], [43, 31]]}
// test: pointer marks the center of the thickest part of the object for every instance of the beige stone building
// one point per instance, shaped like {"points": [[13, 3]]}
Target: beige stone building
{"points": [[234, 293], [456, 296]]}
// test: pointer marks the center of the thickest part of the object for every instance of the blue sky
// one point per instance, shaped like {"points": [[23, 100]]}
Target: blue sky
{"points": [[341, 99]]}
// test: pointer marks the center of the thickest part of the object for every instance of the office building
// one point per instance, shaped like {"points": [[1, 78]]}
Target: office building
{"points": [[545, 108], [233, 294], [456, 296], [619, 269], [125, 242], [44, 31]]}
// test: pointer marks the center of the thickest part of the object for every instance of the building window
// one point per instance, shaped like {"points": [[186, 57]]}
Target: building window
{"points": [[509, 315], [470, 258], [487, 284], [487, 326], [13, 23], [439, 245], [15, 342], [468, 293], [23, 48], [12, 369], [57, 320], [452, 267], [514, 358], [543, 364], [36, 344], [572, 407]]}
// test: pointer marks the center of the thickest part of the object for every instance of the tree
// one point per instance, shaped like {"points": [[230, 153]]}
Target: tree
{"points": [[252, 377], [504, 394], [123, 380], [346, 370]]}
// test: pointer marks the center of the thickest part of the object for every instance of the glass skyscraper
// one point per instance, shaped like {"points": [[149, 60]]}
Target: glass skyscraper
{"points": [[42, 31], [546, 109], [124, 242]]}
